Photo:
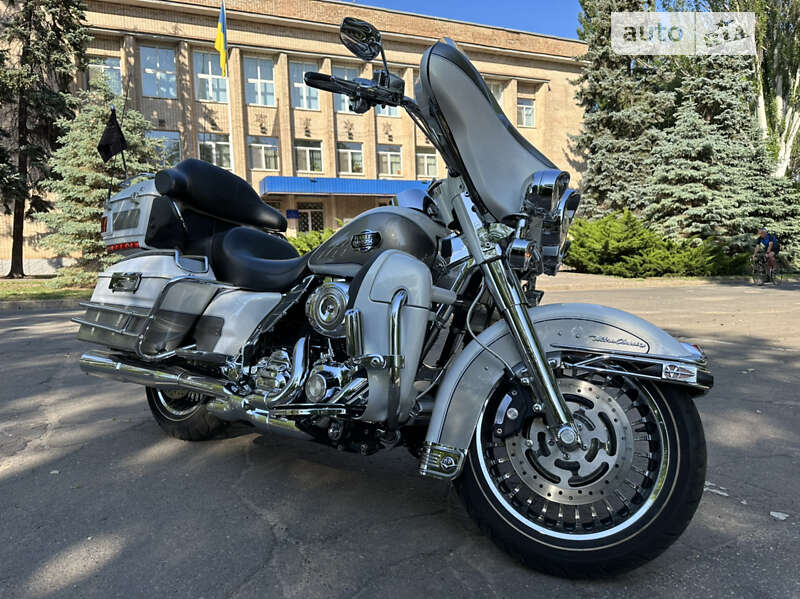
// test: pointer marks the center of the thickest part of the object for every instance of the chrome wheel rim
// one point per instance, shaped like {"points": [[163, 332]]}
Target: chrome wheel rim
{"points": [[595, 491], [177, 405]]}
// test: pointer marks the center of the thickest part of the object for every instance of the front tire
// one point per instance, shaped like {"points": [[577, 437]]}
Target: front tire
{"points": [[608, 507], [183, 415]]}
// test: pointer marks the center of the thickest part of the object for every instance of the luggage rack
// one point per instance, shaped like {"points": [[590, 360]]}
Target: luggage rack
{"points": [[131, 328]]}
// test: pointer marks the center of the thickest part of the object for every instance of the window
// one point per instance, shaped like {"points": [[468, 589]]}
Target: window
{"points": [[170, 147], [263, 153], [389, 160], [209, 84], [302, 95], [387, 110], [259, 84], [107, 68], [215, 148], [158, 72], [341, 103], [351, 159], [311, 217], [308, 156], [496, 89], [526, 112], [426, 162]]}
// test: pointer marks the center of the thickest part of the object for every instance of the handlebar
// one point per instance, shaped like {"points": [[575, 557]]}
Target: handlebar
{"points": [[368, 92]]}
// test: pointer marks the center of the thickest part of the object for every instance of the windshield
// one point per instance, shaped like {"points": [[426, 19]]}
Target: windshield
{"points": [[478, 140]]}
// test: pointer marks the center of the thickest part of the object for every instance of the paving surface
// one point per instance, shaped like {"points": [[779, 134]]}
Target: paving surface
{"points": [[96, 502]]}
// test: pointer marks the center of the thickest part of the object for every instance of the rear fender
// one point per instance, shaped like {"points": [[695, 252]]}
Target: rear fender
{"points": [[595, 338]]}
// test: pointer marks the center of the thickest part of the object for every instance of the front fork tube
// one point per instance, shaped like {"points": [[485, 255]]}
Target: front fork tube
{"points": [[510, 299], [512, 304]]}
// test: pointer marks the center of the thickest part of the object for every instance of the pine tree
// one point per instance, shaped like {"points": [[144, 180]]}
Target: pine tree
{"points": [[80, 184], [627, 101], [710, 171], [45, 41]]}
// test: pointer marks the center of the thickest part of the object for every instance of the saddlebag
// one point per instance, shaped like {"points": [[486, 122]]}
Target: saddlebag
{"points": [[149, 302]]}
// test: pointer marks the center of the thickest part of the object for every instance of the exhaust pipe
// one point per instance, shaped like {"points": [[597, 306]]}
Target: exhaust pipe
{"points": [[107, 365], [226, 404]]}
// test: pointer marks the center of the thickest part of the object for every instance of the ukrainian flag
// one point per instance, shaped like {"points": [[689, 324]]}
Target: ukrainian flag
{"points": [[221, 43]]}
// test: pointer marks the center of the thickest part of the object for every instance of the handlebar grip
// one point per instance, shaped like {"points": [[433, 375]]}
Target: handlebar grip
{"points": [[360, 88], [328, 83]]}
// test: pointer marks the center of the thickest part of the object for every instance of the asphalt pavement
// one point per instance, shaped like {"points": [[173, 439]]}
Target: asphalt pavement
{"points": [[96, 502]]}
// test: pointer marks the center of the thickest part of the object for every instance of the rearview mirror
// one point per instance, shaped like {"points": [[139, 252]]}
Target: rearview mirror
{"points": [[361, 38]]}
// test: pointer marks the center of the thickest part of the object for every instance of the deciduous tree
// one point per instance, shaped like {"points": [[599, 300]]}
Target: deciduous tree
{"points": [[44, 41]]}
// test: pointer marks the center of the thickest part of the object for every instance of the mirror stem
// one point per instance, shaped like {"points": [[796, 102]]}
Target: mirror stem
{"points": [[385, 64]]}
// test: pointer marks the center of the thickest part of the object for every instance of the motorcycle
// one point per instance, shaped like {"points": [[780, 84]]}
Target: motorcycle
{"points": [[569, 430]]}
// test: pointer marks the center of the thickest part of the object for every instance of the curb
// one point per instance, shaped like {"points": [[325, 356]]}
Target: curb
{"points": [[12, 306]]}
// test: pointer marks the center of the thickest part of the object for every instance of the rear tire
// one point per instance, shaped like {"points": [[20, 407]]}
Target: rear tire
{"points": [[580, 538], [183, 415]]}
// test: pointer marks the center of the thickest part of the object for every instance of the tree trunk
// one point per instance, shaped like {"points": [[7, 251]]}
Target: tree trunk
{"points": [[18, 233], [789, 136], [18, 238], [761, 114]]}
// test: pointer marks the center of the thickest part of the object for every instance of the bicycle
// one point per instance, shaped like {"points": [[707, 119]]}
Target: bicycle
{"points": [[760, 272]]}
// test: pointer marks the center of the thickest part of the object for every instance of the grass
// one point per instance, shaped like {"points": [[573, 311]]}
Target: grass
{"points": [[34, 289]]}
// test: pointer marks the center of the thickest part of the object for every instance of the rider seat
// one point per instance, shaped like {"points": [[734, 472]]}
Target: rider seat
{"points": [[256, 260]]}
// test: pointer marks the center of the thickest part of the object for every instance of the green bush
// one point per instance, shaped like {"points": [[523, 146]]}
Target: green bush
{"points": [[621, 245], [306, 241]]}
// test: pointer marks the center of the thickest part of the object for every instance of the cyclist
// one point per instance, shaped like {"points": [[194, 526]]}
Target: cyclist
{"points": [[771, 247]]}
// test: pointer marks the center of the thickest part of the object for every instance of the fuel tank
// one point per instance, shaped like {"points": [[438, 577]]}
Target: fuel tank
{"points": [[374, 231]]}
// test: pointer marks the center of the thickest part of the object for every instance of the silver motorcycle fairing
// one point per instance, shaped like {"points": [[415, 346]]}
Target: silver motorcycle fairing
{"points": [[391, 272], [585, 329]]}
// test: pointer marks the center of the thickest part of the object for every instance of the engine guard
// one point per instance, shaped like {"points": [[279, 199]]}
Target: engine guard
{"points": [[597, 339]]}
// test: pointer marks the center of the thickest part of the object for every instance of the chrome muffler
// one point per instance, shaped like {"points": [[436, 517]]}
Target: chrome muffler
{"points": [[108, 365]]}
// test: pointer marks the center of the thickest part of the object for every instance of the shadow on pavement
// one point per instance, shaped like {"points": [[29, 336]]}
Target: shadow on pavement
{"points": [[97, 502]]}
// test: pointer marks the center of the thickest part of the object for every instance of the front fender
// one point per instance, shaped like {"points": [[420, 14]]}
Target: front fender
{"points": [[587, 329]]}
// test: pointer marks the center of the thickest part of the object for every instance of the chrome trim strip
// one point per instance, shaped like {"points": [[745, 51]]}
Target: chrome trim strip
{"points": [[672, 370], [103, 327], [127, 310], [700, 362]]}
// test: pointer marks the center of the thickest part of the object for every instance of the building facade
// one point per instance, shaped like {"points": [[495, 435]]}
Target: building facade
{"points": [[287, 139]]}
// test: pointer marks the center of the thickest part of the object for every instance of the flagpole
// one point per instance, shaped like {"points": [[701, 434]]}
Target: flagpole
{"points": [[223, 26], [230, 95]]}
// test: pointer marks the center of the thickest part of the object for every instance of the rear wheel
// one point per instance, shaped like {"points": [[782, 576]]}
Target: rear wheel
{"points": [[183, 415], [618, 500]]}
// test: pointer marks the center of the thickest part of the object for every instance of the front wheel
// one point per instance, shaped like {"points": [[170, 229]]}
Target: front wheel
{"points": [[615, 502]]}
